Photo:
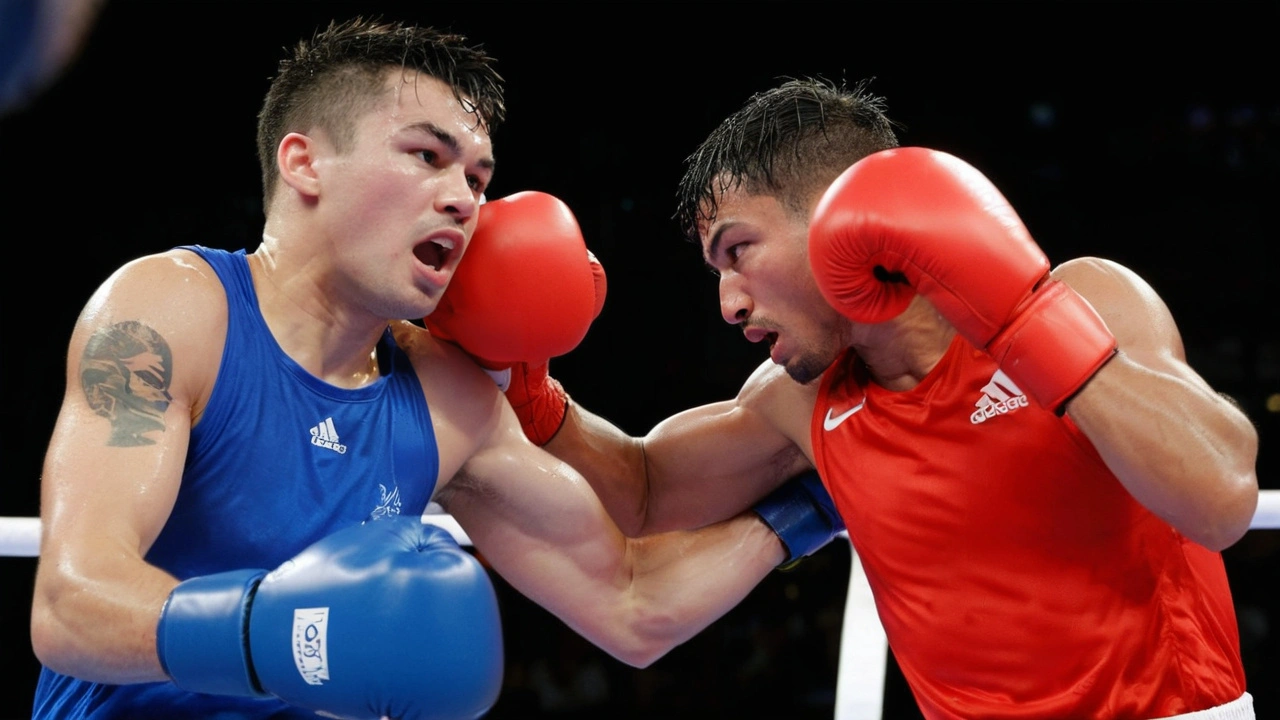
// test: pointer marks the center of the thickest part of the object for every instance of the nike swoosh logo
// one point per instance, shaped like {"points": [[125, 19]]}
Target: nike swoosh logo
{"points": [[831, 423]]}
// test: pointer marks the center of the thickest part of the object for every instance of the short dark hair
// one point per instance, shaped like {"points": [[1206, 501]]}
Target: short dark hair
{"points": [[328, 80], [788, 142]]}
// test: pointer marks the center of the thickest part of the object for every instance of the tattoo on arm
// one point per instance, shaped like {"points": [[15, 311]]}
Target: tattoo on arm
{"points": [[126, 371]]}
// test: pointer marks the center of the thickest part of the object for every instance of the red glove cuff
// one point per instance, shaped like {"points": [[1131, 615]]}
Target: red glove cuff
{"points": [[1054, 345], [539, 401]]}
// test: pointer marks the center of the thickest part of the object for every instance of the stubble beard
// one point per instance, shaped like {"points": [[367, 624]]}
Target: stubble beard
{"points": [[808, 367]]}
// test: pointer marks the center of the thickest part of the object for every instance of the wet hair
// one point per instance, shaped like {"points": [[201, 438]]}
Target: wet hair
{"points": [[789, 142], [330, 79]]}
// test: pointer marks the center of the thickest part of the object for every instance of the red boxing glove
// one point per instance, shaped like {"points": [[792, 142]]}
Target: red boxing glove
{"points": [[527, 290], [913, 220]]}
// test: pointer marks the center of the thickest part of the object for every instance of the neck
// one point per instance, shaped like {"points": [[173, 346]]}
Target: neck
{"points": [[320, 333], [903, 351]]}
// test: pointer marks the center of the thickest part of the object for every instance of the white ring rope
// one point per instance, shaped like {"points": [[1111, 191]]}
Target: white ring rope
{"points": [[863, 647], [20, 536]]}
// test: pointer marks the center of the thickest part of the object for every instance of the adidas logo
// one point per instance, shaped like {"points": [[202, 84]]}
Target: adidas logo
{"points": [[325, 436], [1000, 396]]}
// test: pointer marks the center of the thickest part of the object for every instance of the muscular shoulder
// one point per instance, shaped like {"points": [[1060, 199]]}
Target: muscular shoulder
{"points": [[783, 402], [177, 281], [1100, 275], [1127, 303], [466, 404], [167, 309]]}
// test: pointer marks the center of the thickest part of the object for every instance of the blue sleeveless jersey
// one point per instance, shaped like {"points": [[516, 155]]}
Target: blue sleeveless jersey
{"points": [[278, 460]]}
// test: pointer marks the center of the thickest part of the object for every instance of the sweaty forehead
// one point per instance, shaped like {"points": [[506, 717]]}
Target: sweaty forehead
{"points": [[417, 92], [739, 205], [421, 101], [741, 213], [722, 193]]}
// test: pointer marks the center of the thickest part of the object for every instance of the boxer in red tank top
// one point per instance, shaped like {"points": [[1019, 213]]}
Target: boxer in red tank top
{"points": [[1037, 482]]}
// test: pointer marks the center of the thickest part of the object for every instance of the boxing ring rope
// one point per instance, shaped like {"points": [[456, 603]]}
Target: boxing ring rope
{"points": [[863, 648]]}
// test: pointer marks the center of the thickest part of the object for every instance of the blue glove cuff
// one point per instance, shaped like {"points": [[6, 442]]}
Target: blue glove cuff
{"points": [[802, 514], [203, 632]]}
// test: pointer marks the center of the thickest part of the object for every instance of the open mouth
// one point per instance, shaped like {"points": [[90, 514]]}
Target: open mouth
{"points": [[434, 253]]}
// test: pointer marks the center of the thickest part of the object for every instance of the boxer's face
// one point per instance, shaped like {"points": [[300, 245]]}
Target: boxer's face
{"points": [[401, 203], [759, 248]]}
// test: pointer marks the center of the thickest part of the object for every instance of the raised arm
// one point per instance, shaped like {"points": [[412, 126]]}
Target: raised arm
{"points": [[1185, 451], [138, 359], [1091, 339]]}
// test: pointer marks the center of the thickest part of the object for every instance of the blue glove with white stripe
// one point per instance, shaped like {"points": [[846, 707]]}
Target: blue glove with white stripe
{"points": [[387, 618]]}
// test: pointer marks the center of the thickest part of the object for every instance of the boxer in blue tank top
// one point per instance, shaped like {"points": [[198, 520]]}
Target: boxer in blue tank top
{"points": [[274, 434], [232, 496]]}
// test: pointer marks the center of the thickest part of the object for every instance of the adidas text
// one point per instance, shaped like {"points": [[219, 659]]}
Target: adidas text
{"points": [[999, 396], [326, 436], [990, 410]]}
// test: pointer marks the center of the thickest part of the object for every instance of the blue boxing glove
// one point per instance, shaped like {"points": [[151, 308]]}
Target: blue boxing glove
{"points": [[388, 618], [802, 514]]}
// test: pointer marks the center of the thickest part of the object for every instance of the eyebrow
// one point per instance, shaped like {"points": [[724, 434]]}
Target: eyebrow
{"points": [[713, 248], [449, 140]]}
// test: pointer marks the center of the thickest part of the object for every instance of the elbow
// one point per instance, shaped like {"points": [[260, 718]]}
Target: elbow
{"points": [[643, 639], [42, 640], [1232, 516], [48, 643], [57, 635], [53, 640], [640, 655]]}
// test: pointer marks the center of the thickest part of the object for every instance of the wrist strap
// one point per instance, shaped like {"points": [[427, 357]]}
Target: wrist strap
{"points": [[538, 399], [202, 638], [1054, 346], [802, 514]]}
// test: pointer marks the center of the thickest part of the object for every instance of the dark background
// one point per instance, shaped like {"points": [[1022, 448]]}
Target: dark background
{"points": [[1142, 132]]}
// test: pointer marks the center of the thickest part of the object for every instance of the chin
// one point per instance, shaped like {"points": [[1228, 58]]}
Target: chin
{"points": [[804, 369], [802, 372], [410, 310]]}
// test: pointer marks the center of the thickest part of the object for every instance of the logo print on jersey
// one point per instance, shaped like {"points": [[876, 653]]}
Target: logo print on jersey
{"points": [[390, 503], [1000, 396], [325, 436], [830, 423]]}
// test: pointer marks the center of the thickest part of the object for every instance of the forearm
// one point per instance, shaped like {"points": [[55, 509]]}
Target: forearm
{"points": [[1183, 451], [673, 597], [94, 628], [612, 462], [700, 466], [635, 598]]}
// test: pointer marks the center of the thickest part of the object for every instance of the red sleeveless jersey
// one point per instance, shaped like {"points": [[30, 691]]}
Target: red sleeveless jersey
{"points": [[1014, 575]]}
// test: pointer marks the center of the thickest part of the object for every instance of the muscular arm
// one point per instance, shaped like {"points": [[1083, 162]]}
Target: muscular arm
{"points": [[112, 472], [1180, 448], [542, 528], [699, 466], [540, 525]]}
